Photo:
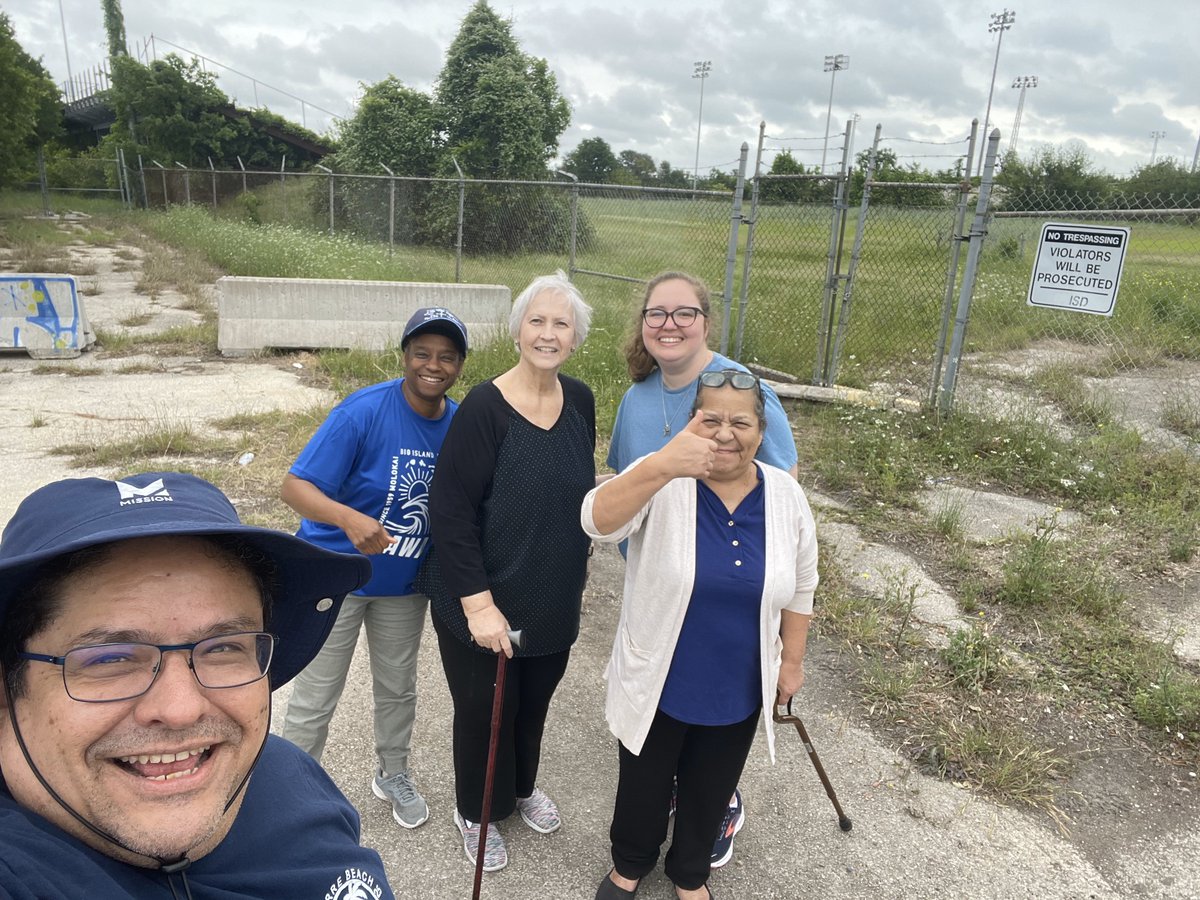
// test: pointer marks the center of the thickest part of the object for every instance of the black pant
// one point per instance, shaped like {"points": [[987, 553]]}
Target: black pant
{"points": [[705, 763], [529, 685]]}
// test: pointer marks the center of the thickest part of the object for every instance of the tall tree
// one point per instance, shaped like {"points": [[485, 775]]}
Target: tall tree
{"points": [[1165, 182], [500, 110], [640, 166], [175, 107], [780, 190], [1052, 178], [593, 161], [30, 111], [393, 125]]}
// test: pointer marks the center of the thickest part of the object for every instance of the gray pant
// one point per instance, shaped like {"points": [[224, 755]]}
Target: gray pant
{"points": [[394, 626]]}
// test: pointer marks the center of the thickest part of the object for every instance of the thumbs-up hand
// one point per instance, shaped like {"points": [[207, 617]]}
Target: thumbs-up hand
{"points": [[690, 454]]}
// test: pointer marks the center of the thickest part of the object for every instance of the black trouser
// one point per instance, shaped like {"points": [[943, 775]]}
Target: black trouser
{"points": [[705, 763], [529, 685]]}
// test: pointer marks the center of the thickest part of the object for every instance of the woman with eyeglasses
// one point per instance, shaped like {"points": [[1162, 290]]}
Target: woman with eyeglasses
{"points": [[666, 352], [719, 585]]}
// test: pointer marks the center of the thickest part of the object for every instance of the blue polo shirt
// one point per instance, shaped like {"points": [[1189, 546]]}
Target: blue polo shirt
{"points": [[714, 677]]}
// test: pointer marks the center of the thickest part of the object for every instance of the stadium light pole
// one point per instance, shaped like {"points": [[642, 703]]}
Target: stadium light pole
{"points": [[702, 68], [1001, 22], [1196, 156], [62, 16], [1154, 150], [1024, 82], [834, 63]]}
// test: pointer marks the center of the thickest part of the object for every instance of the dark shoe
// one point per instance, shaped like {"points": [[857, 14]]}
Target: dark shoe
{"points": [[735, 818], [609, 890]]}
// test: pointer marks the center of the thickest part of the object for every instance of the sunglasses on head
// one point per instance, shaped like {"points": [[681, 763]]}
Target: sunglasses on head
{"points": [[743, 381]]}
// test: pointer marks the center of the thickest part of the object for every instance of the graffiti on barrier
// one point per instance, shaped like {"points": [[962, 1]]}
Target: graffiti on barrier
{"points": [[43, 314]]}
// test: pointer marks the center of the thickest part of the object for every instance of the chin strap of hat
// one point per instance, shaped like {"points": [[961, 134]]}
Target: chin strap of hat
{"points": [[177, 866]]}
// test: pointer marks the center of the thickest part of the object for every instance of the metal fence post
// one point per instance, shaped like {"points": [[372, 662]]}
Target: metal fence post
{"points": [[330, 171], [187, 183], [462, 190], [123, 169], [243, 168], [163, 172], [391, 209], [956, 241], [574, 221], [41, 164], [735, 222], [748, 255], [855, 255], [120, 175], [142, 176], [833, 276], [282, 187], [978, 231], [214, 182]]}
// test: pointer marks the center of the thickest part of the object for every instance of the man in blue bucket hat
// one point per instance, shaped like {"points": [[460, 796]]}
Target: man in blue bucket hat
{"points": [[142, 629]]}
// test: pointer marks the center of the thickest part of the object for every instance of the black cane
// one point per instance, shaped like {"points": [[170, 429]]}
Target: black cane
{"points": [[843, 819], [516, 639]]}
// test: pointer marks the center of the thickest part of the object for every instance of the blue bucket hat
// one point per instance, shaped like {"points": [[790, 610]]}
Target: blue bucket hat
{"points": [[76, 513]]}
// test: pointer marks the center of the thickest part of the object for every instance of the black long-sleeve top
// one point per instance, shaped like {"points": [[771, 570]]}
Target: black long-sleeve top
{"points": [[504, 511]]}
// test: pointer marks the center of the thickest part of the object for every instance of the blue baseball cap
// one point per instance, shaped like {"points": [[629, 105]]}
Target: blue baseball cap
{"points": [[76, 513], [436, 320]]}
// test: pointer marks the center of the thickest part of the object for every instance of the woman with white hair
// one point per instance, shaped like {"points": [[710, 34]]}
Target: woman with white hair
{"points": [[509, 554]]}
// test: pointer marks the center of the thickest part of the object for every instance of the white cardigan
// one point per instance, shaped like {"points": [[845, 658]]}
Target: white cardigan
{"points": [[659, 574]]}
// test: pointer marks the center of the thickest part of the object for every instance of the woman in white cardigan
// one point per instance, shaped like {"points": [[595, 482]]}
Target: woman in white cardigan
{"points": [[719, 585]]}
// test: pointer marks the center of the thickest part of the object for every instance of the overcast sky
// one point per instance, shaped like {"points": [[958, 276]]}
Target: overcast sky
{"points": [[1110, 72]]}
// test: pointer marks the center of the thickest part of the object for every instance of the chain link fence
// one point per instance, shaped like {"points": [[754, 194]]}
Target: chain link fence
{"points": [[831, 280], [614, 238], [1139, 365]]}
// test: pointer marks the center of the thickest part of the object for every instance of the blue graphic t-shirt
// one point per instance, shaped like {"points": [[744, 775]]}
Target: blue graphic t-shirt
{"points": [[376, 455]]}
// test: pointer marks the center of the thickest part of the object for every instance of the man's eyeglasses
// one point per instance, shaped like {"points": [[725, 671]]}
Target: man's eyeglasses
{"points": [[743, 381], [656, 317], [105, 673]]}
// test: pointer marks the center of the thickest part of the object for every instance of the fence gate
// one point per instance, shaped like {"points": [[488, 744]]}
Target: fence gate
{"points": [[862, 295]]}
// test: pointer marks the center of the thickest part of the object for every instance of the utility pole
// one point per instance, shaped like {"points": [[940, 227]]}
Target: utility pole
{"points": [[1154, 150], [833, 64], [703, 67]]}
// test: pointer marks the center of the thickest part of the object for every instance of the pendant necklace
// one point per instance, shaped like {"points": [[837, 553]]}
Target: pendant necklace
{"points": [[667, 420]]}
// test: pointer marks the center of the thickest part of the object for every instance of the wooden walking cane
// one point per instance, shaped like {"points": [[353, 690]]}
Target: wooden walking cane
{"points": [[516, 639], [843, 819]]}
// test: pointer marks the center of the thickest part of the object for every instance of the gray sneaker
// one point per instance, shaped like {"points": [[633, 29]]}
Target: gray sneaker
{"points": [[408, 807]]}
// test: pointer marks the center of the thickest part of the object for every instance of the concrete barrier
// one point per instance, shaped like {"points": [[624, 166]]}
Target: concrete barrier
{"points": [[43, 314], [309, 313]]}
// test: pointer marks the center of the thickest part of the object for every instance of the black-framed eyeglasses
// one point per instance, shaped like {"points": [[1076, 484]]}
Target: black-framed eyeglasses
{"points": [[743, 381], [106, 673], [656, 317]]}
